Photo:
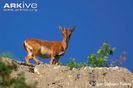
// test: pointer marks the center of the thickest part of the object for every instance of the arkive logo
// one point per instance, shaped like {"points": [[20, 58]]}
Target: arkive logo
{"points": [[22, 6]]}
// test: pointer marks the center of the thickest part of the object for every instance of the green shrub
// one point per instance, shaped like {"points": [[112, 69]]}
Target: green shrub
{"points": [[6, 81], [60, 63], [72, 64], [101, 58], [79, 65]]}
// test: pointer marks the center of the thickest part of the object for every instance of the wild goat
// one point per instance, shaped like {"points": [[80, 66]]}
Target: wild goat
{"points": [[48, 49]]}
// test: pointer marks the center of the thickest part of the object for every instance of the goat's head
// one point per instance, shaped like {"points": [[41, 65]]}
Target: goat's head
{"points": [[66, 32]]}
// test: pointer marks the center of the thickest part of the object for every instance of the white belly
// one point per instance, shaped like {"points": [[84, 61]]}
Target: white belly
{"points": [[45, 50]]}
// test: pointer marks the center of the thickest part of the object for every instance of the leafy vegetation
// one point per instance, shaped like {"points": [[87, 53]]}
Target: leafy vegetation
{"points": [[6, 81], [72, 64], [103, 55], [100, 59], [60, 63]]}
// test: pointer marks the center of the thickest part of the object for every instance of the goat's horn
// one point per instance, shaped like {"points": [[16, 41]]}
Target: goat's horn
{"points": [[60, 28], [74, 28]]}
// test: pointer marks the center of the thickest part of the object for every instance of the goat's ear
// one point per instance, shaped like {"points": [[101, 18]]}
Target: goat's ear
{"points": [[74, 28], [60, 28]]}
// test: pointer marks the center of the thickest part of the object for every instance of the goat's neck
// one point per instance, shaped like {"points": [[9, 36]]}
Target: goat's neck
{"points": [[65, 43]]}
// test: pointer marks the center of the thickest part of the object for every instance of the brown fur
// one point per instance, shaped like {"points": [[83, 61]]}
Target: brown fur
{"points": [[47, 49]]}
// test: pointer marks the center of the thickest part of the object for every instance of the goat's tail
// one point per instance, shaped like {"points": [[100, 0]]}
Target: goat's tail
{"points": [[24, 45]]}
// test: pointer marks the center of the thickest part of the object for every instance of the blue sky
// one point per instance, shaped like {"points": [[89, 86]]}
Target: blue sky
{"points": [[96, 20]]}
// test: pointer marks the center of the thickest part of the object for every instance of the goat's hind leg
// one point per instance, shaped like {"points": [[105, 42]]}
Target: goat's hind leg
{"points": [[28, 58]]}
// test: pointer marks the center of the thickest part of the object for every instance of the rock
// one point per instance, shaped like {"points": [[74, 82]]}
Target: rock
{"points": [[56, 76]]}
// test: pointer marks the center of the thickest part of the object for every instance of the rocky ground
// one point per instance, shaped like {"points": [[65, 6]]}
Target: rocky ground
{"points": [[56, 76]]}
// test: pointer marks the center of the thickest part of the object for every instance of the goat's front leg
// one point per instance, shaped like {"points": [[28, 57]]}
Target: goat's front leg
{"points": [[37, 61], [52, 61], [53, 55], [57, 60]]}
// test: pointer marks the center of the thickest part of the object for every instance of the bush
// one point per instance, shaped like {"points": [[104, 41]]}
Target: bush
{"points": [[60, 63], [101, 58], [72, 64], [6, 81]]}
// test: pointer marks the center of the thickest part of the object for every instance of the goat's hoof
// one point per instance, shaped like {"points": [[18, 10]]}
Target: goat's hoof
{"points": [[28, 63], [40, 63]]}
